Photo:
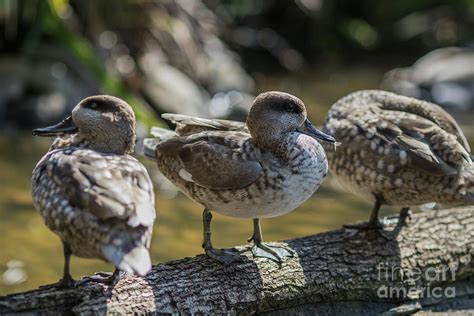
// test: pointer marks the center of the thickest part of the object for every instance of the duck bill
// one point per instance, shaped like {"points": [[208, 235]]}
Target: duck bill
{"points": [[66, 126], [312, 131]]}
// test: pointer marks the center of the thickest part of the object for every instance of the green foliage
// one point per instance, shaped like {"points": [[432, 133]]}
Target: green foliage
{"points": [[49, 25]]}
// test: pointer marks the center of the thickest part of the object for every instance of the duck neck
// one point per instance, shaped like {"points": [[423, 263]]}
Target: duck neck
{"points": [[66, 141], [276, 143], [105, 146]]}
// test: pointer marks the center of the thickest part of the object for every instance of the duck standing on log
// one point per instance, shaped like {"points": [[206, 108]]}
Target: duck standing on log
{"points": [[91, 193], [264, 168], [398, 151]]}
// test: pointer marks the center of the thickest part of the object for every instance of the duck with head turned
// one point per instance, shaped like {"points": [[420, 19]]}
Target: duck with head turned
{"points": [[398, 151], [91, 193], [264, 168]]}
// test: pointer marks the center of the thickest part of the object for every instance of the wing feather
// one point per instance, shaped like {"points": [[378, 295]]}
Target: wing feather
{"points": [[187, 125], [108, 186], [213, 160], [429, 111], [407, 139]]}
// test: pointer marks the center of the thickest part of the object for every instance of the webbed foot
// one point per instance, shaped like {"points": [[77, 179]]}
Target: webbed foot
{"points": [[106, 278], [224, 256], [275, 253], [376, 227]]}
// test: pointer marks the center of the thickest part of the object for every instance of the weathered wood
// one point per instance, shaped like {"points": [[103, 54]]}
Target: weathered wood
{"points": [[333, 272]]}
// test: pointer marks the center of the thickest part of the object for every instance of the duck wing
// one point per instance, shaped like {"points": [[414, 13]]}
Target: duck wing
{"points": [[423, 109], [397, 131], [420, 142], [215, 160], [106, 185], [400, 140], [186, 125]]}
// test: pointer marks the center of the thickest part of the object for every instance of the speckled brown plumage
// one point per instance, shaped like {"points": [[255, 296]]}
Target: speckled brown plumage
{"points": [[264, 168], [93, 195], [400, 150], [232, 188]]}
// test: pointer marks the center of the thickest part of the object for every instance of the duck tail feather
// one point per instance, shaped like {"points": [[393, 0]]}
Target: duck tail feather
{"points": [[162, 133], [137, 261], [182, 120], [150, 144], [149, 148]]}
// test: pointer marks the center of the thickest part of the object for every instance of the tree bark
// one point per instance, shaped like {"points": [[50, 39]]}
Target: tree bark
{"points": [[342, 271]]}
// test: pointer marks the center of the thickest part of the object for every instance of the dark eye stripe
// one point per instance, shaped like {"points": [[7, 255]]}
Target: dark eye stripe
{"points": [[100, 106], [289, 107]]}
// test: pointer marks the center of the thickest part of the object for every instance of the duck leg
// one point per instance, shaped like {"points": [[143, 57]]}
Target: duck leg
{"points": [[225, 256], [405, 214], [260, 249], [373, 222], [67, 281]]}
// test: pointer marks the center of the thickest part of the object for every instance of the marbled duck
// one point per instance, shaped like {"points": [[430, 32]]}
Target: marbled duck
{"points": [[264, 168], [91, 193], [399, 151]]}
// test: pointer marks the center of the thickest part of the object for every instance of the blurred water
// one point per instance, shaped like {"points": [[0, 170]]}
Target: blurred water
{"points": [[31, 255]]}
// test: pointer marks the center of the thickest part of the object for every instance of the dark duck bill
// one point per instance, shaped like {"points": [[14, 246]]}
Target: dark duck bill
{"points": [[66, 126], [309, 129]]}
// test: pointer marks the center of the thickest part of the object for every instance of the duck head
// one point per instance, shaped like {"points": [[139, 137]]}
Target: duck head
{"points": [[275, 114], [102, 122]]}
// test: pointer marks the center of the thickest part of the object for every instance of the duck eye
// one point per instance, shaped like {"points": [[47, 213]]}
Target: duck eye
{"points": [[289, 107]]}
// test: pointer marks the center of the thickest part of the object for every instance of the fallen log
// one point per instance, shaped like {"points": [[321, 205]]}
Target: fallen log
{"points": [[426, 265]]}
